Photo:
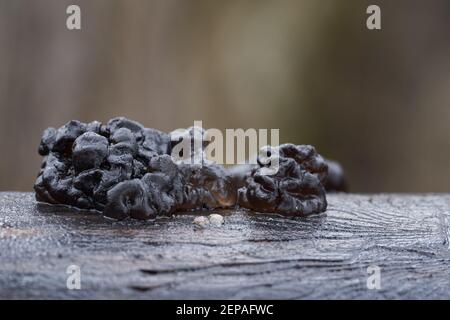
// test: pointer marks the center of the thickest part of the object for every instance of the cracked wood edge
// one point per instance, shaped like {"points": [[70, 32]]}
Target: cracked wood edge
{"points": [[251, 256]]}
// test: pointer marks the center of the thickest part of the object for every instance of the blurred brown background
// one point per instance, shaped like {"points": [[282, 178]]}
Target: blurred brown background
{"points": [[377, 101]]}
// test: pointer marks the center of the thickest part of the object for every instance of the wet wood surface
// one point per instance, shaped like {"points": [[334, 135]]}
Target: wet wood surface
{"points": [[250, 256]]}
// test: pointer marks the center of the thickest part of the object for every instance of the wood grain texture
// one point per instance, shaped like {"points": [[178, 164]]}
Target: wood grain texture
{"points": [[251, 256]]}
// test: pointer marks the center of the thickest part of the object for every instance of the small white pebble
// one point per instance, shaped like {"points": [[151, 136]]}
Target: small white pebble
{"points": [[216, 219], [201, 221]]}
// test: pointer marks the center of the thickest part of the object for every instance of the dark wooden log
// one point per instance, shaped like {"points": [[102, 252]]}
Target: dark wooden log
{"points": [[249, 256]]}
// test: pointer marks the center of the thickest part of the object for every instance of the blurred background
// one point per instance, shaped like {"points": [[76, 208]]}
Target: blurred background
{"points": [[376, 101]]}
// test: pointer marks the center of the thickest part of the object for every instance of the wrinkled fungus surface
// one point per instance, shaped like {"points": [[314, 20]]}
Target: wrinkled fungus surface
{"points": [[126, 170]]}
